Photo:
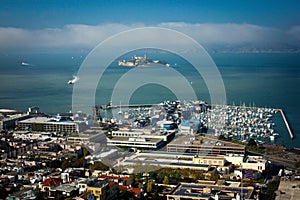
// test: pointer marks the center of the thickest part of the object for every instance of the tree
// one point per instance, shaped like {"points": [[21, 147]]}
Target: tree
{"points": [[214, 177], [221, 137], [271, 188], [166, 180], [3, 164], [64, 164], [297, 164], [149, 186], [153, 175], [251, 143], [99, 166]]}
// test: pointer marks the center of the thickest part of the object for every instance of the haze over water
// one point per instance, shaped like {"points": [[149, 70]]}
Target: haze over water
{"points": [[259, 79]]}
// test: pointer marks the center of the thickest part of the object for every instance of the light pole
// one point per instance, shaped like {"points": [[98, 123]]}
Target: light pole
{"points": [[242, 181]]}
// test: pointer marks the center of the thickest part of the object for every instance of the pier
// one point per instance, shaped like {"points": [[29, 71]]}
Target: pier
{"points": [[129, 106], [286, 123]]}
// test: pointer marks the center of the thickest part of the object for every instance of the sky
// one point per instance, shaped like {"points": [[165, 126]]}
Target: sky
{"points": [[248, 24]]}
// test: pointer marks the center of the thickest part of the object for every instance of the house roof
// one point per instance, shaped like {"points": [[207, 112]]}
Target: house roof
{"points": [[135, 191], [105, 177], [50, 182]]}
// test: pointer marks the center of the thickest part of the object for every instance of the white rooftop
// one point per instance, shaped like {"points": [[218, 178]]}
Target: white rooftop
{"points": [[3, 110], [45, 120]]}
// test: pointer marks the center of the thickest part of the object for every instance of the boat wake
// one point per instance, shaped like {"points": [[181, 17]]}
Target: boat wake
{"points": [[23, 63], [74, 80]]}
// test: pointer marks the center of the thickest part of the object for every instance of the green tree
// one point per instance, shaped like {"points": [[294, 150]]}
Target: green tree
{"points": [[221, 137], [214, 176], [271, 188], [251, 143], [166, 180], [99, 166], [297, 164], [3, 164], [149, 186], [153, 175]]}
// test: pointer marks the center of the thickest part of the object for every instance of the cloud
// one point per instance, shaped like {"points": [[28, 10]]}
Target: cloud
{"points": [[222, 33], [294, 32], [77, 35], [87, 36], [247, 35]]}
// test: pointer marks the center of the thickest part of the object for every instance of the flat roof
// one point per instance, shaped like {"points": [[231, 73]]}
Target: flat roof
{"points": [[126, 139], [153, 162], [177, 154], [45, 120], [183, 187], [4, 110], [65, 187]]}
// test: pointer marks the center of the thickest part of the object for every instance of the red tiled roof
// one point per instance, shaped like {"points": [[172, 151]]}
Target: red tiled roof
{"points": [[105, 177], [50, 182], [135, 191], [108, 177], [111, 183]]}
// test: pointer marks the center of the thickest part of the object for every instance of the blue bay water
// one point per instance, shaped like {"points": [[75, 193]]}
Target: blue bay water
{"points": [[263, 80]]}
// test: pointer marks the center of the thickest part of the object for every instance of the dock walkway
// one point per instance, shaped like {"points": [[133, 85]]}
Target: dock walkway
{"points": [[286, 123]]}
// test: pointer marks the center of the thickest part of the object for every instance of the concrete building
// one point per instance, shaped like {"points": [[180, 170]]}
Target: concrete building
{"points": [[175, 165], [46, 124], [9, 118], [63, 191], [235, 159], [212, 160], [207, 190], [139, 138], [208, 146], [172, 160], [257, 163]]}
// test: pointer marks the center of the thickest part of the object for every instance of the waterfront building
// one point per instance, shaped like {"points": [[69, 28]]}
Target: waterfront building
{"points": [[9, 118], [46, 124]]}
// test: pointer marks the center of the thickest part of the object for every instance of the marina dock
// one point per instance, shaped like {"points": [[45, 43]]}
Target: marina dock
{"points": [[234, 110], [128, 106], [286, 123]]}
